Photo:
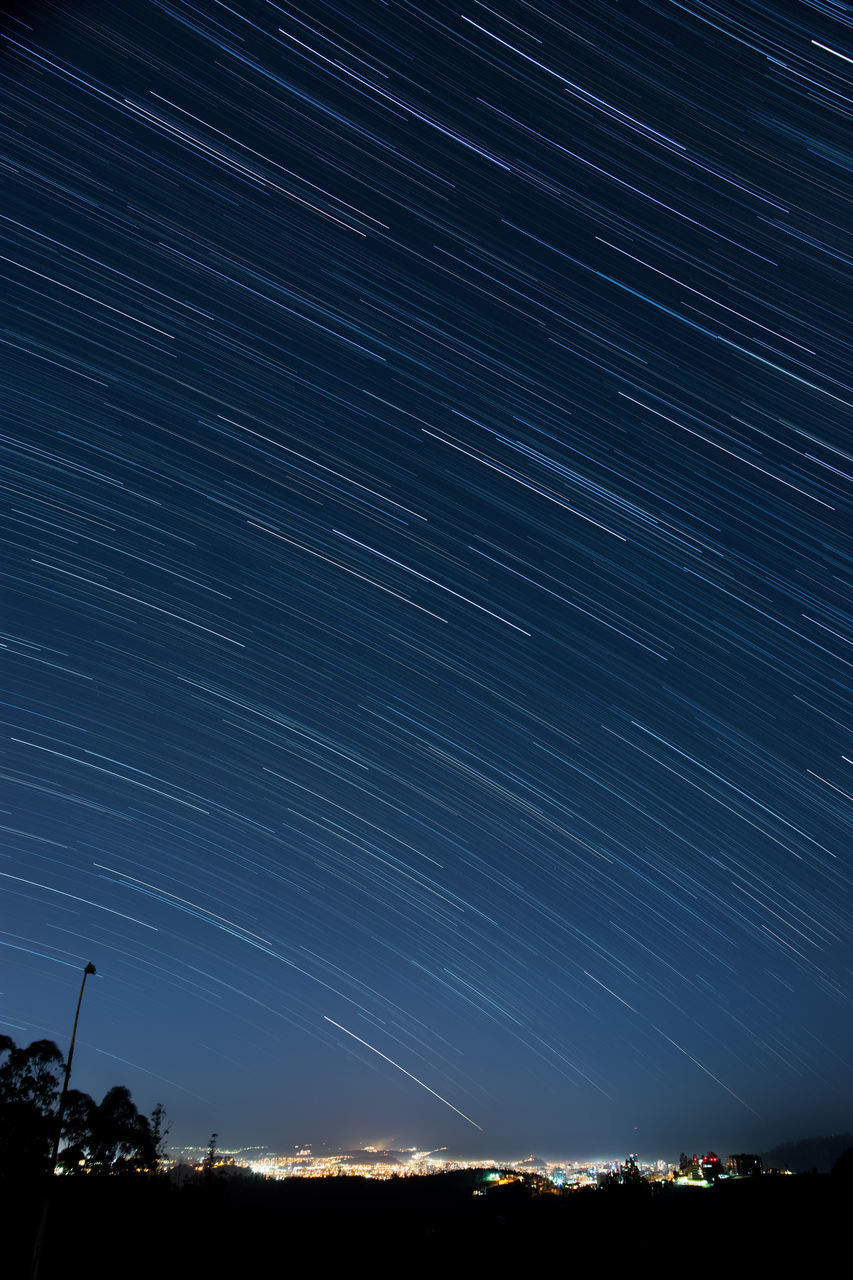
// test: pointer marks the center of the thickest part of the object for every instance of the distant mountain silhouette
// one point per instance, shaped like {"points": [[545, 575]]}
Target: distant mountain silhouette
{"points": [[808, 1153]]}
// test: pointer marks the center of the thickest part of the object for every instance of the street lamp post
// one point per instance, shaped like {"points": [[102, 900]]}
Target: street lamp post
{"points": [[60, 1112], [90, 969]]}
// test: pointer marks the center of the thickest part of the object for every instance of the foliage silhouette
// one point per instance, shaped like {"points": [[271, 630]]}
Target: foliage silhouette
{"points": [[120, 1138], [110, 1136], [29, 1088], [159, 1133], [210, 1158]]}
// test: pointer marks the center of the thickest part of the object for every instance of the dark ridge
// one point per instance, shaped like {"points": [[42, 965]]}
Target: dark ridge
{"points": [[807, 1154]]}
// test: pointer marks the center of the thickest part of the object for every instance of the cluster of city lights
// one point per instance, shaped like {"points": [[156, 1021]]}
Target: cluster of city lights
{"points": [[373, 1163]]}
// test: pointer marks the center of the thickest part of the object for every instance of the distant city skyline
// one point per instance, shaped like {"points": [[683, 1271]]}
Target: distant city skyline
{"points": [[426, 576]]}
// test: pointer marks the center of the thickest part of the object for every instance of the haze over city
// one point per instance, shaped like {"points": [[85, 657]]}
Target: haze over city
{"points": [[426, 578]]}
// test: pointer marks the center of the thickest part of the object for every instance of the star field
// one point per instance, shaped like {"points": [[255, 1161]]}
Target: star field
{"points": [[426, 577]]}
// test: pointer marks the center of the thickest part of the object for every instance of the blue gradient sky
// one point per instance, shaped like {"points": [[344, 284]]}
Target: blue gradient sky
{"points": [[426, 635]]}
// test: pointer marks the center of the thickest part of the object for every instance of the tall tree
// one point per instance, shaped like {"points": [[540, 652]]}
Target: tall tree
{"points": [[29, 1088], [76, 1131], [120, 1136], [210, 1158], [159, 1127]]}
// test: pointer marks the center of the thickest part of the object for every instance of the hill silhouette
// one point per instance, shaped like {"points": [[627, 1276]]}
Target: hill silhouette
{"points": [[807, 1154], [137, 1226]]}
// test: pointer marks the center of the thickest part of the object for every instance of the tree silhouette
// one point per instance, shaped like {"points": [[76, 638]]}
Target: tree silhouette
{"points": [[29, 1088], [120, 1138], [210, 1158], [110, 1136], [159, 1133], [76, 1130]]}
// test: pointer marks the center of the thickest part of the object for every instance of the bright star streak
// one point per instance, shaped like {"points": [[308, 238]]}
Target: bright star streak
{"points": [[405, 1072]]}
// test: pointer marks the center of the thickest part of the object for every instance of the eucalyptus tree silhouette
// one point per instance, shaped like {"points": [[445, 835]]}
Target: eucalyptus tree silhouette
{"points": [[30, 1081], [106, 1137]]}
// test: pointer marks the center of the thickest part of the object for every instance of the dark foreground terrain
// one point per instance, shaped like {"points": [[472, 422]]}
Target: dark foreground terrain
{"points": [[135, 1227]]}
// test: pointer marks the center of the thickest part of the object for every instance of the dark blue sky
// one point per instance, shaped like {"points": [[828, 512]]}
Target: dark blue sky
{"points": [[427, 567]]}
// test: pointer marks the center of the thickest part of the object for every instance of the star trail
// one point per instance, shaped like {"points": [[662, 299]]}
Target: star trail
{"points": [[426, 636]]}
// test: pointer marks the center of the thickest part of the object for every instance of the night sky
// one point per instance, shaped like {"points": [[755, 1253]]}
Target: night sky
{"points": [[427, 561]]}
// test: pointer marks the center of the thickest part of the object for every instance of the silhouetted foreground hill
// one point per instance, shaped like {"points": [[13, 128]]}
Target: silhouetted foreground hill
{"points": [[124, 1228], [808, 1153]]}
